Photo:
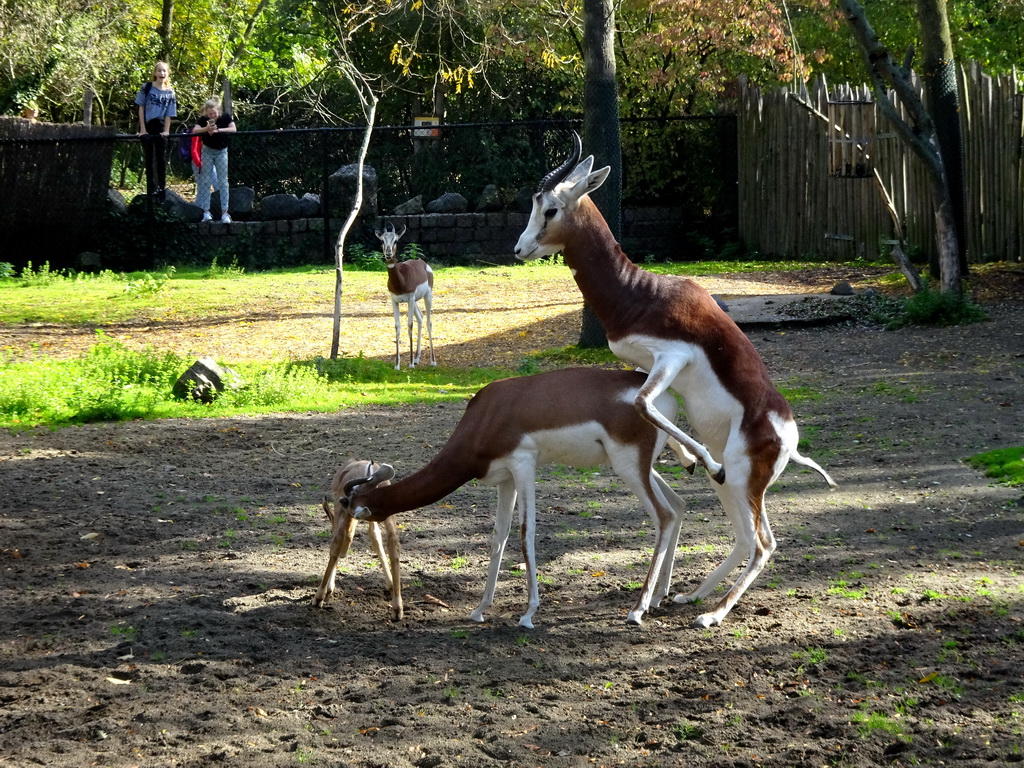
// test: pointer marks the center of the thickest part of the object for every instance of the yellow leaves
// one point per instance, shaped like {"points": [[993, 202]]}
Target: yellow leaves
{"points": [[552, 60], [457, 77], [399, 57]]}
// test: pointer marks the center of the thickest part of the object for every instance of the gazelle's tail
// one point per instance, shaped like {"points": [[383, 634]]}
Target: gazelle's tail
{"points": [[815, 466]]}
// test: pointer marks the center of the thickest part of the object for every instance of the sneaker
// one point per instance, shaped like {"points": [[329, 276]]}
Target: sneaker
{"points": [[225, 219], [207, 216]]}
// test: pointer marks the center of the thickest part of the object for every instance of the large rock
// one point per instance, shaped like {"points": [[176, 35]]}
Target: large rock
{"points": [[413, 207], [489, 200], [342, 186], [449, 202], [88, 261], [204, 380], [241, 201], [524, 199], [309, 205], [281, 206], [116, 201]]}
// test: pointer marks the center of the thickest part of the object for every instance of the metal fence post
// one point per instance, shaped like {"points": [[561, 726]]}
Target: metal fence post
{"points": [[325, 195]]}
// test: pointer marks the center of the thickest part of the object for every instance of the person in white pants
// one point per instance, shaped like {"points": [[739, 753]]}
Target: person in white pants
{"points": [[213, 128]]}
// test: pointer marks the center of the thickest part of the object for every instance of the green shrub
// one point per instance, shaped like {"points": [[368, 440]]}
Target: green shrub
{"points": [[938, 308]]}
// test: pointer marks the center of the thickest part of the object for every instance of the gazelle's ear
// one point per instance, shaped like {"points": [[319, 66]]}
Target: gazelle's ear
{"points": [[382, 473], [580, 171], [399, 234], [590, 181], [379, 234]]}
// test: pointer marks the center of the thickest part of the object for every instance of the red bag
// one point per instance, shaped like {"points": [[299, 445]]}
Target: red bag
{"points": [[197, 152]]}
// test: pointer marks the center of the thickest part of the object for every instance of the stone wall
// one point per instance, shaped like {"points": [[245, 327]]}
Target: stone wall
{"points": [[446, 238]]}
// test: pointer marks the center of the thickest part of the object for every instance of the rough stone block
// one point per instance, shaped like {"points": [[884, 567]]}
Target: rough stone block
{"points": [[204, 380]]}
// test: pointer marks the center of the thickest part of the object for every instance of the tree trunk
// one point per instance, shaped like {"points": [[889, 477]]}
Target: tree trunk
{"points": [[601, 131], [919, 137], [357, 204], [166, 23], [939, 75]]}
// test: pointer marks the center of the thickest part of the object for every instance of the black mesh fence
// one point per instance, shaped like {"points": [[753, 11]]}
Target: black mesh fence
{"points": [[74, 196]]}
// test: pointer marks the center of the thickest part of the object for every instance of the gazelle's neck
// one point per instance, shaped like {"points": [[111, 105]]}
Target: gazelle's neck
{"points": [[443, 475], [610, 283]]}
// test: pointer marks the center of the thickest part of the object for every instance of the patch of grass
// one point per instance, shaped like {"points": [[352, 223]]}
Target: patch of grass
{"points": [[1005, 465], [812, 656], [568, 356], [797, 395], [842, 588], [113, 383], [869, 722], [126, 633]]}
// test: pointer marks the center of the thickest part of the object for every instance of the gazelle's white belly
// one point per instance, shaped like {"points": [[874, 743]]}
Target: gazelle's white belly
{"points": [[587, 444]]}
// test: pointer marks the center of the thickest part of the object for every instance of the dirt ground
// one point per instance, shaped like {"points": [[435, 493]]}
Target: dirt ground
{"points": [[157, 584]]}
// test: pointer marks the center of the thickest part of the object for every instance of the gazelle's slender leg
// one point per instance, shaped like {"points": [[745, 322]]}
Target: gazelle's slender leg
{"points": [[428, 302], [672, 544], [378, 548], [660, 378], [398, 335], [742, 525], [664, 516], [502, 527], [527, 505], [414, 315], [389, 562], [337, 551], [323, 594]]}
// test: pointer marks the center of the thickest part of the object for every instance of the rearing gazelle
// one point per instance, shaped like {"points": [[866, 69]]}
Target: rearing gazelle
{"points": [[674, 329], [408, 282]]}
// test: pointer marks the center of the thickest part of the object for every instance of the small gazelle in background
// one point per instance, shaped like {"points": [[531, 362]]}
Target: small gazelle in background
{"points": [[408, 282]]}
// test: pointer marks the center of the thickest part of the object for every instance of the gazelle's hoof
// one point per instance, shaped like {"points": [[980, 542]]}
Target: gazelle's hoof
{"points": [[706, 620], [635, 618]]}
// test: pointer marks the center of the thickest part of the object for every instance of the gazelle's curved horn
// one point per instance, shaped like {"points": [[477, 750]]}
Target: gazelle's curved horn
{"points": [[382, 473], [351, 484], [548, 182]]}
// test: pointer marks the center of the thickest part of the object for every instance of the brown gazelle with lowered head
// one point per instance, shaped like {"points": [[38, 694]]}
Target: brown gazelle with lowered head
{"points": [[675, 330], [580, 417], [343, 528], [408, 282]]}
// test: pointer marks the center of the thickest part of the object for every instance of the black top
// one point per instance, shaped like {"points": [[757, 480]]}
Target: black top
{"points": [[215, 140]]}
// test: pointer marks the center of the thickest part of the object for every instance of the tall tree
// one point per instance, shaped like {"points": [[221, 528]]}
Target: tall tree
{"points": [[939, 74], [601, 130], [920, 136], [166, 29]]}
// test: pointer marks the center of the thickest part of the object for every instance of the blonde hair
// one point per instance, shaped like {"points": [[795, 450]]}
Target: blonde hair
{"points": [[213, 103], [152, 75]]}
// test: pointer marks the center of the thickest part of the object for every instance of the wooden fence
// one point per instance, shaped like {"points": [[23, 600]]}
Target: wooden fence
{"points": [[812, 168]]}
